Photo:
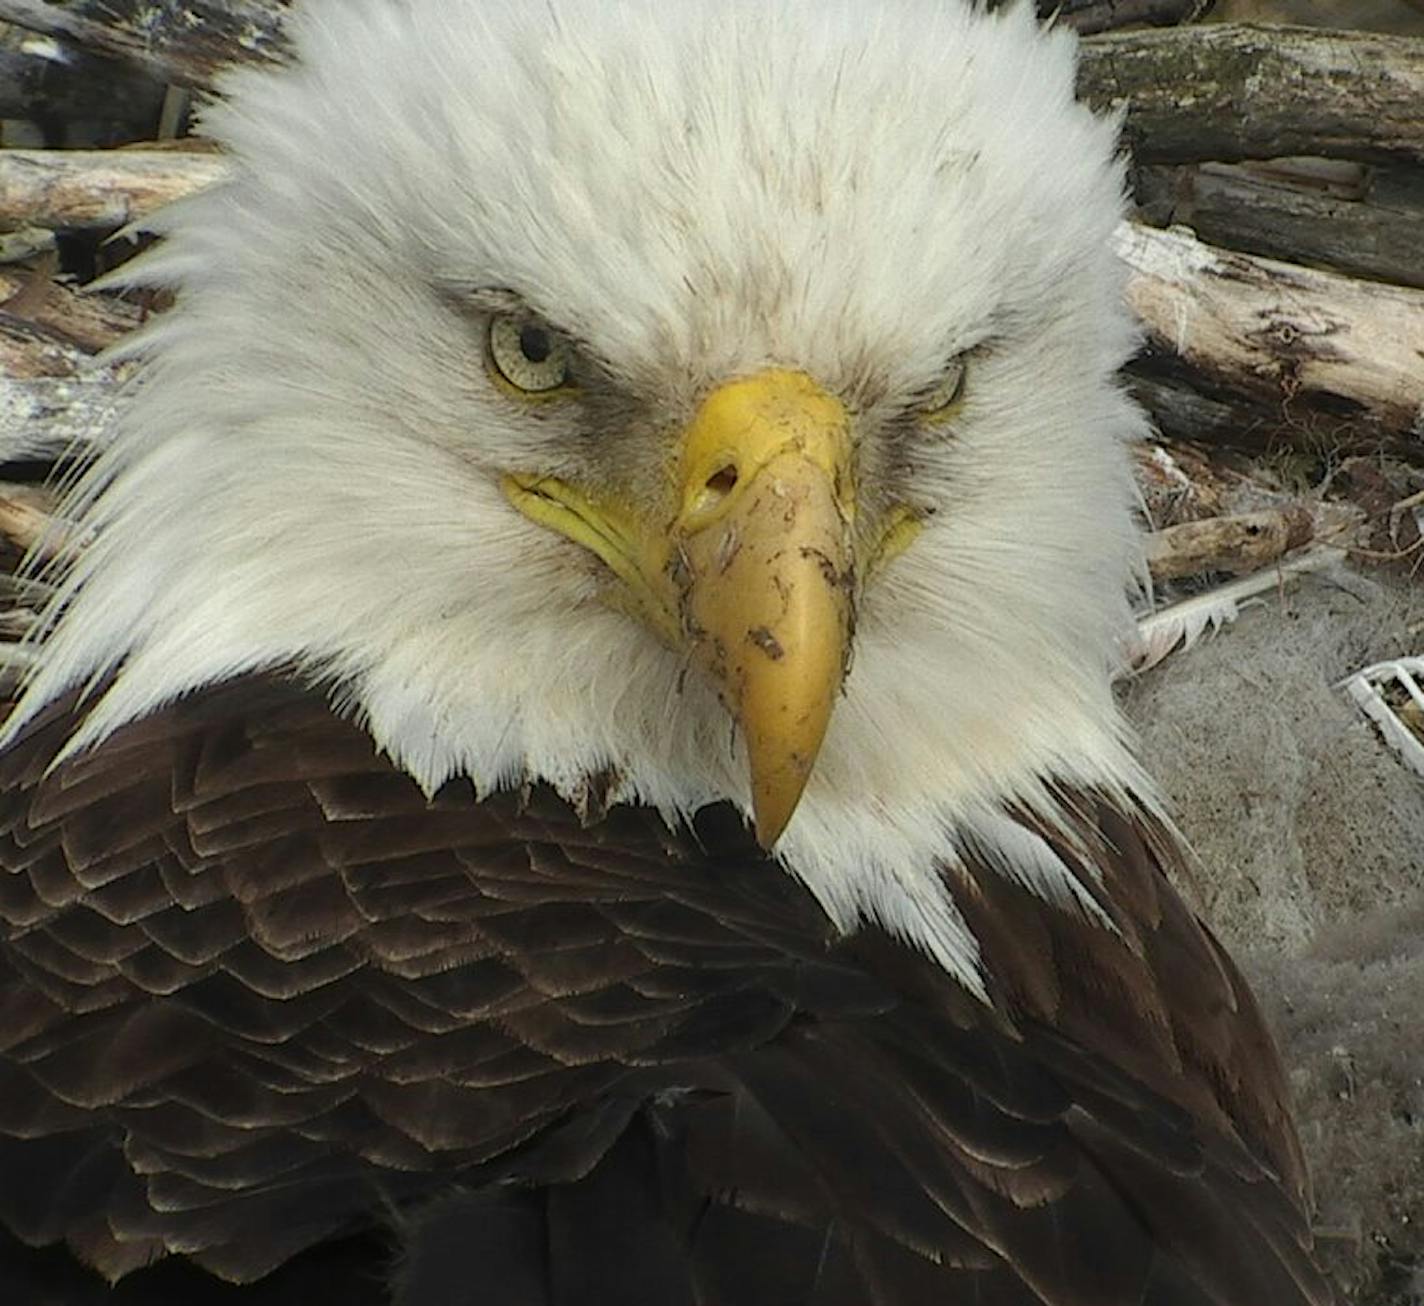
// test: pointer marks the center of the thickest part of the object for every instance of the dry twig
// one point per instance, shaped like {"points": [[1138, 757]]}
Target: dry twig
{"points": [[1238, 544]]}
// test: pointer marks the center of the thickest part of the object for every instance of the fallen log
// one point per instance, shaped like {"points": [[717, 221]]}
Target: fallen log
{"points": [[90, 321], [1291, 340], [56, 400], [1235, 92], [1371, 225], [185, 43], [97, 189]]}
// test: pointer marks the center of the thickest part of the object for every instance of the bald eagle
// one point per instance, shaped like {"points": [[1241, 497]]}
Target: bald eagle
{"points": [[576, 722]]}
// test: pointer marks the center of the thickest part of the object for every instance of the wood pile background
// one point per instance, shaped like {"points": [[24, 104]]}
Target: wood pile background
{"points": [[1276, 256]]}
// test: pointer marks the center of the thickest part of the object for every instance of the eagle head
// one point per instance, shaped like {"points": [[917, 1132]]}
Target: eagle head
{"points": [[715, 398]]}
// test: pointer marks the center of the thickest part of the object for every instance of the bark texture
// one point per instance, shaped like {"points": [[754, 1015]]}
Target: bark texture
{"points": [[97, 189], [176, 42], [1244, 92], [1279, 336], [1365, 221]]}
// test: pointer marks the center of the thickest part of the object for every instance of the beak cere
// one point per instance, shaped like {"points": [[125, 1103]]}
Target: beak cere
{"points": [[762, 562], [755, 575]]}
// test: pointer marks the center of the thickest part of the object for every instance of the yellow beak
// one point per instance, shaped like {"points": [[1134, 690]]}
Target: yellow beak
{"points": [[754, 575], [764, 549]]}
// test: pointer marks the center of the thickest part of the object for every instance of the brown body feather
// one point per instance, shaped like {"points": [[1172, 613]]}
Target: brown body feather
{"points": [[257, 992]]}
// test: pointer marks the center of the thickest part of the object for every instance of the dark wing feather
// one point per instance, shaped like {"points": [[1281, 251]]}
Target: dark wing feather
{"points": [[258, 991]]}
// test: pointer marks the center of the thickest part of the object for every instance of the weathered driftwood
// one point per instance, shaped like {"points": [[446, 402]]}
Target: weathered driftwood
{"points": [[27, 518], [1370, 225], [1295, 340], [1239, 543], [49, 418], [25, 243], [43, 419], [97, 189], [56, 399], [90, 321], [184, 42], [28, 350], [1235, 92]]}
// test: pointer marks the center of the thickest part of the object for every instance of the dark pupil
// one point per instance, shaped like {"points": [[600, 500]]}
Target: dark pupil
{"points": [[534, 343]]}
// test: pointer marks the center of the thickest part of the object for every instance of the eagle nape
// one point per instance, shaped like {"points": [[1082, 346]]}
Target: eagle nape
{"points": [[572, 760]]}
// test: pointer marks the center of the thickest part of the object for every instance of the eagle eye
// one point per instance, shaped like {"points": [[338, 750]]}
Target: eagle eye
{"points": [[526, 354], [940, 401]]}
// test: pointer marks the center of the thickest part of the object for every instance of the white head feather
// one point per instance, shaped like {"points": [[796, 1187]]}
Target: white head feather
{"points": [[308, 472]]}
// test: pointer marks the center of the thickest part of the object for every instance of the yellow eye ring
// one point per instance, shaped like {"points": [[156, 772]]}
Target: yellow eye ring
{"points": [[940, 402], [526, 355]]}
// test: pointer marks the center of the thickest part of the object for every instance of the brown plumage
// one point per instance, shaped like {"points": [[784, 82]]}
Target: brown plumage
{"points": [[625, 440], [257, 992]]}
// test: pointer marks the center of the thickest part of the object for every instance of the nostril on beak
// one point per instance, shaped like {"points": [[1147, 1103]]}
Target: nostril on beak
{"points": [[710, 498], [721, 482]]}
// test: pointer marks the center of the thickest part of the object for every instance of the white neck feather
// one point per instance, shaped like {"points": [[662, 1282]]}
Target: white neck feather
{"points": [[307, 476]]}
